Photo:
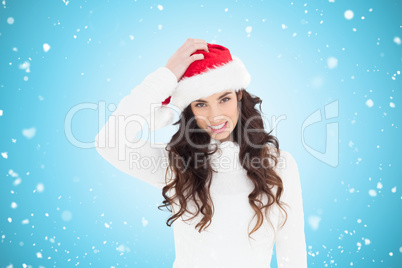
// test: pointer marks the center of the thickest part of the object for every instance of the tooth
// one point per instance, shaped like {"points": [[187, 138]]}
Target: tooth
{"points": [[218, 127]]}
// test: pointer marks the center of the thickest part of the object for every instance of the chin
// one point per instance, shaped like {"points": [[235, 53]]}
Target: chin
{"points": [[220, 136]]}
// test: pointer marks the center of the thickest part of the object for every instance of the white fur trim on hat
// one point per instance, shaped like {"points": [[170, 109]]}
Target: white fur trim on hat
{"points": [[231, 76]]}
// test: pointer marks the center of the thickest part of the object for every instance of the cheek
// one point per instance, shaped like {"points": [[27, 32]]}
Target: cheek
{"points": [[233, 110], [201, 123], [200, 119]]}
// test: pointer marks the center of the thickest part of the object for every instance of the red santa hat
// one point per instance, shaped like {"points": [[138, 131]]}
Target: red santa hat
{"points": [[219, 71]]}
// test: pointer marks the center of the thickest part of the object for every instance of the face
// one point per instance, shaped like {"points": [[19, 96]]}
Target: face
{"points": [[217, 114]]}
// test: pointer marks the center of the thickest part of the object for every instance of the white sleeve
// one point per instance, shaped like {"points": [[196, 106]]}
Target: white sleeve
{"points": [[117, 141], [290, 242]]}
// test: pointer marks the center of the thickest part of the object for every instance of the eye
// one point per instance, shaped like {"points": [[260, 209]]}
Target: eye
{"points": [[197, 105]]}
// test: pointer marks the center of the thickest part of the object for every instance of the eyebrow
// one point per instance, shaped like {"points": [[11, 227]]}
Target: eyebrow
{"points": [[227, 93]]}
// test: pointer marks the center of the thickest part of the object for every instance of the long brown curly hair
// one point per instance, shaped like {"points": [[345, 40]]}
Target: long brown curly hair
{"points": [[196, 178]]}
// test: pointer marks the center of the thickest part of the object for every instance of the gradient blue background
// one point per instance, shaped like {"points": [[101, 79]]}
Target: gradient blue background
{"points": [[91, 214]]}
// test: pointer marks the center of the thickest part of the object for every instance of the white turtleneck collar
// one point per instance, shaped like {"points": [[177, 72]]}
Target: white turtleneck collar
{"points": [[226, 158]]}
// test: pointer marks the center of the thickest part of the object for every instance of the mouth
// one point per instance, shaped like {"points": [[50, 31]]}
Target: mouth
{"points": [[219, 128]]}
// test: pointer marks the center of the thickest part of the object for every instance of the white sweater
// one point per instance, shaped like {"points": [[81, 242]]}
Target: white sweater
{"points": [[225, 242]]}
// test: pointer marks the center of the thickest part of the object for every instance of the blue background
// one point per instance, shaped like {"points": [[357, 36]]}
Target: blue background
{"points": [[72, 208]]}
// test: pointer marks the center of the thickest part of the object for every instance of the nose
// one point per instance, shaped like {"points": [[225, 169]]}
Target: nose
{"points": [[214, 115]]}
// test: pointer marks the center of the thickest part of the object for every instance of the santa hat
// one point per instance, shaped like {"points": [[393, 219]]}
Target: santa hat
{"points": [[219, 71]]}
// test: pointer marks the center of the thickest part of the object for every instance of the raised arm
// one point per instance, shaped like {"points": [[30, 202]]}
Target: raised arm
{"points": [[117, 141], [290, 242]]}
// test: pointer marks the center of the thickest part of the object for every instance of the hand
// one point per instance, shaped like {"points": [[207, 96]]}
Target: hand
{"points": [[182, 58]]}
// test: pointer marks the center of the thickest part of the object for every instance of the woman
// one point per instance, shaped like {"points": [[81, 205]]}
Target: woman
{"points": [[221, 172]]}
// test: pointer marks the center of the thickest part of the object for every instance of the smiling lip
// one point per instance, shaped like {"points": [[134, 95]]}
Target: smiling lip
{"points": [[217, 125], [219, 130]]}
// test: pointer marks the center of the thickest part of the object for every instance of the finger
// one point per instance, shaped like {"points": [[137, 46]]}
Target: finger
{"points": [[191, 42], [198, 57], [195, 47], [199, 41], [203, 44], [194, 57]]}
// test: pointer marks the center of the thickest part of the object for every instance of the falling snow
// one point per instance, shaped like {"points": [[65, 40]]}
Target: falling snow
{"points": [[348, 14], [29, 133], [369, 103], [65, 206], [10, 20], [332, 62], [46, 47]]}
